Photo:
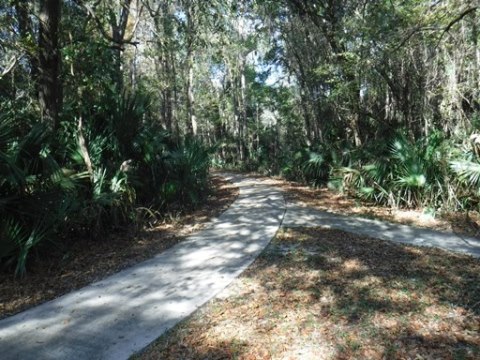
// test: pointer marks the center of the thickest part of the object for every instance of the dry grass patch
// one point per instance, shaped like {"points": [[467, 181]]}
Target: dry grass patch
{"points": [[89, 260], [326, 294]]}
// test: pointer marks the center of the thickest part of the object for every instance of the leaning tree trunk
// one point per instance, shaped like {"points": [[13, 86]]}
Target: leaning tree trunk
{"points": [[49, 84]]}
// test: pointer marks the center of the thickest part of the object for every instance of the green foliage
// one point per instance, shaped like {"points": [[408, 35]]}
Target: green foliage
{"points": [[170, 172], [293, 164], [36, 193], [405, 174], [314, 168], [432, 173], [468, 172], [46, 192], [186, 172]]}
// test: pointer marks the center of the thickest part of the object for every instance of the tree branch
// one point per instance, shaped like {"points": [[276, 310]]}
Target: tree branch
{"points": [[446, 29], [454, 21], [10, 67], [90, 11]]}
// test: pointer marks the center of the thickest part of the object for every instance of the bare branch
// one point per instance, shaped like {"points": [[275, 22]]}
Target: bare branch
{"points": [[456, 20], [444, 30], [135, 25], [10, 67]]}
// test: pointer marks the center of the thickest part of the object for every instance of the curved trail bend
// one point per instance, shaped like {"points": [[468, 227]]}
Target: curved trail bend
{"points": [[120, 315]]}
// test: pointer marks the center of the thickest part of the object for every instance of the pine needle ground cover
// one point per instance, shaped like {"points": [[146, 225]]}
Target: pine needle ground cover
{"points": [[325, 294], [89, 260]]}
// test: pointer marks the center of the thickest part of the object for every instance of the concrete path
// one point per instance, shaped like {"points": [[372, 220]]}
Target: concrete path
{"points": [[120, 315], [301, 216]]}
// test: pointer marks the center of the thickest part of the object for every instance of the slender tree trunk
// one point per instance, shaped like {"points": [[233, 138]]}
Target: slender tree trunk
{"points": [[82, 143], [168, 95], [49, 83], [304, 99], [243, 111], [192, 123], [257, 135], [316, 112], [25, 28], [175, 125], [476, 64], [133, 69], [191, 28]]}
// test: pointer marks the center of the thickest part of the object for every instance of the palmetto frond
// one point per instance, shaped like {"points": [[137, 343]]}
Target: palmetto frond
{"points": [[468, 171]]}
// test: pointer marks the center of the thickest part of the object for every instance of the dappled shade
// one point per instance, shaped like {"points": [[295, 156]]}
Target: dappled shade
{"points": [[325, 294]]}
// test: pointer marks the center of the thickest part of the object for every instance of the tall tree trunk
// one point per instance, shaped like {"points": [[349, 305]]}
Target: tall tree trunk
{"points": [[243, 111], [25, 27], [49, 83], [476, 64], [133, 69], [357, 115], [192, 119], [118, 36], [191, 28], [167, 91], [175, 125], [306, 115]]}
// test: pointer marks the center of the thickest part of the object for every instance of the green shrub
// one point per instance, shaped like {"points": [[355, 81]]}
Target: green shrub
{"points": [[405, 174], [187, 172], [36, 193], [47, 192]]}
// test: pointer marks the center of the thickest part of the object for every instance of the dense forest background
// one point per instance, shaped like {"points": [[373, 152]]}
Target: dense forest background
{"points": [[111, 110]]}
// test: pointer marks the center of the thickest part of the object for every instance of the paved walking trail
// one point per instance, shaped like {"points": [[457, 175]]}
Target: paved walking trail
{"points": [[302, 216], [120, 315]]}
